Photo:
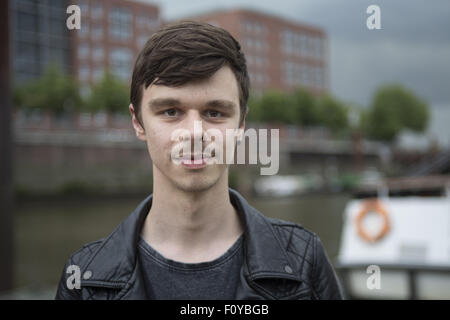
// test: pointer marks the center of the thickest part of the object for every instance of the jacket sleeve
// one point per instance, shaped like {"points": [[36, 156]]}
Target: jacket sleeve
{"points": [[325, 282], [65, 291]]}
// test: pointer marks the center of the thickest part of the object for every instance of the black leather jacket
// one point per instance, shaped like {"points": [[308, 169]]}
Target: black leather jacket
{"points": [[282, 261]]}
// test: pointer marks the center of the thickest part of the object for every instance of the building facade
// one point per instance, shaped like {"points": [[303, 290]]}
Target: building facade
{"points": [[281, 54], [111, 35], [39, 37]]}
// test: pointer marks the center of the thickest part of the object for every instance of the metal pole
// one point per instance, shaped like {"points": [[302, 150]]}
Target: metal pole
{"points": [[6, 191], [412, 285]]}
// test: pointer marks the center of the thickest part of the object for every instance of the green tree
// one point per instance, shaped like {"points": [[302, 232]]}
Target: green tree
{"points": [[393, 109], [332, 113], [54, 91], [272, 106], [109, 94], [306, 112], [254, 111]]}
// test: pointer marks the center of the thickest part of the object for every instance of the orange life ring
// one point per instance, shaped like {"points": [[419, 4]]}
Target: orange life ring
{"points": [[372, 206]]}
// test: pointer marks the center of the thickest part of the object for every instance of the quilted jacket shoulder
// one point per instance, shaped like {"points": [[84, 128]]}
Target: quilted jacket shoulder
{"points": [[306, 248]]}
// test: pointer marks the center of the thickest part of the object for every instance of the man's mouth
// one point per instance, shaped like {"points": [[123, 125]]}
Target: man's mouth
{"points": [[194, 161], [197, 156]]}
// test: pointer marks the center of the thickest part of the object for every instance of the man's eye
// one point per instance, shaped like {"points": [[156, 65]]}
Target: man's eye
{"points": [[170, 112], [214, 113]]}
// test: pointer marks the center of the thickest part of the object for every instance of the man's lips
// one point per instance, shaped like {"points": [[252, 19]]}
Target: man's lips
{"points": [[193, 161], [194, 157], [197, 156]]}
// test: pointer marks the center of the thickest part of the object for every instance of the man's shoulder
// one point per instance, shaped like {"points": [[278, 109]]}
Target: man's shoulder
{"points": [[293, 236], [83, 255], [291, 228]]}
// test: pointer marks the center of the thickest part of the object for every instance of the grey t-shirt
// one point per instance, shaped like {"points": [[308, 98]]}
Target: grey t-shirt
{"points": [[167, 279]]}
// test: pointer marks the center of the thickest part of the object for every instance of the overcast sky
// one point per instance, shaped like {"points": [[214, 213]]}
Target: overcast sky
{"points": [[413, 46]]}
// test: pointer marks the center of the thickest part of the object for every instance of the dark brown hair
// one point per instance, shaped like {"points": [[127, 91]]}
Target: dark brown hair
{"points": [[186, 51]]}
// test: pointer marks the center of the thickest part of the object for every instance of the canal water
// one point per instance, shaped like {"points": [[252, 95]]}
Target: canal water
{"points": [[49, 231]]}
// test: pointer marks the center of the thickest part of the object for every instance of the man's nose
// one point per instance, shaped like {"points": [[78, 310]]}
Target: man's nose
{"points": [[194, 125]]}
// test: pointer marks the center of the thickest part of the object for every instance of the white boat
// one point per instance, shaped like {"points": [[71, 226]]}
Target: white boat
{"points": [[395, 241]]}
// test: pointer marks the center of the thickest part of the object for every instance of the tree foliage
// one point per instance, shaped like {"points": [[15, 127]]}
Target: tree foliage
{"points": [[332, 113], [306, 109], [298, 108], [273, 106], [393, 109], [109, 94], [53, 91]]}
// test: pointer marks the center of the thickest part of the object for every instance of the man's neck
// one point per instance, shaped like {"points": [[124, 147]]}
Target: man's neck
{"points": [[191, 226]]}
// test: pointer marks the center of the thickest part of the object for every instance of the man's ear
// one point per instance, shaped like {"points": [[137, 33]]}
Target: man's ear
{"points": [[138, 129]]}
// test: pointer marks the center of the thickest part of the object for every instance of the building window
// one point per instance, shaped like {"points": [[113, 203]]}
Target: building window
{"points": [[97, 53], [259, 62], [304, 75], [318, 48], [26, 22], [300, 44], [310, 50], [84, 8], [250, 59], [57, 26], [120, 22], [303, 45], [27, 58], [147, 21], [121, 60], [253, 27], [259, 78], [287, 41], [319, 77], [295, 74], [288, 73], [142, 40], [97, 31], [84, 73], [83, 51], [97, 11], [97, 74], [84, 29]]}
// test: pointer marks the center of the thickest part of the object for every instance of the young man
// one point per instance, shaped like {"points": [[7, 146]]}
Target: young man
{"points": [[194, 237]]}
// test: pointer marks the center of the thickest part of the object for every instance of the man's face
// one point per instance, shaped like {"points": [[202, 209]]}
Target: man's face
{"points": [[164, 110]]}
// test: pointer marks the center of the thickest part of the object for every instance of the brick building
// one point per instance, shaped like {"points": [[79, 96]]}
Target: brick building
{"points": [[280, 54], [111, 35]]}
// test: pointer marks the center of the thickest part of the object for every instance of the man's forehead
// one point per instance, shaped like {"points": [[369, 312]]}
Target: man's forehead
{"points": [[223, 81], [222, 86]]}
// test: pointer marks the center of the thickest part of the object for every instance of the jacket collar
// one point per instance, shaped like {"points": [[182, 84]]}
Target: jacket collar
{"points": [[115, 259]]}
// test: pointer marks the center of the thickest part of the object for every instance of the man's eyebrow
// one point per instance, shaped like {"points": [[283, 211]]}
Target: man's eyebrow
{"points": [[160, 103], [222, 104]]}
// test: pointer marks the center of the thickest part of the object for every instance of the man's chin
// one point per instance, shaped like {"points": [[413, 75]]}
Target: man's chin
{"points": [[195, 186], [197, 182]]}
